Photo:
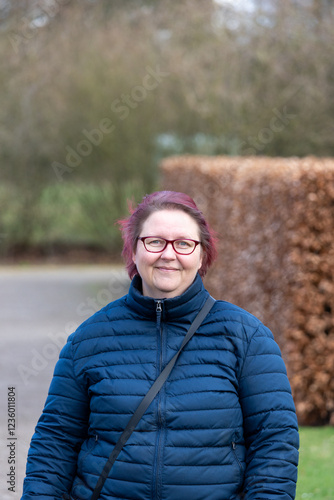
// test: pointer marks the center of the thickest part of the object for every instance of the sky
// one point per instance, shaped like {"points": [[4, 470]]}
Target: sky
{"points": [[245, 5]]}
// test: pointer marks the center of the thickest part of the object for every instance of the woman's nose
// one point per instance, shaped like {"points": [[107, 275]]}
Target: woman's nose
{"points": [[169, 252]]}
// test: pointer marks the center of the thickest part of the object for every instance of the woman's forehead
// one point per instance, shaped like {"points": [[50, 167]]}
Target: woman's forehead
{"points": [[172, 221]]}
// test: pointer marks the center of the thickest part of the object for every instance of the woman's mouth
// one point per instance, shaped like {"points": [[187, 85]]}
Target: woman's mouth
{"points": [[166, 269]]}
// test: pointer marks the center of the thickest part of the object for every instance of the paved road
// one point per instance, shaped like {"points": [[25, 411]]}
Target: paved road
{"points": [[39, 308]]}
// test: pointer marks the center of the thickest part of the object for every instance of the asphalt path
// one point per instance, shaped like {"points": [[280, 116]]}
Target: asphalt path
{"points": [[39, 308]]}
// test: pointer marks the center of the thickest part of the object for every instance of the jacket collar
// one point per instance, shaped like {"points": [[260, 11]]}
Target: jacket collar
{"points": [[181, 306]]}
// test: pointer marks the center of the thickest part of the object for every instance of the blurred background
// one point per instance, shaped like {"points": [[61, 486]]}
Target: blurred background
{"points": [[95, 93]]}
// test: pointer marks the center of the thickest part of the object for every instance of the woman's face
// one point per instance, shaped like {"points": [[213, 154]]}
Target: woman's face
{"points": [[167, 274]]}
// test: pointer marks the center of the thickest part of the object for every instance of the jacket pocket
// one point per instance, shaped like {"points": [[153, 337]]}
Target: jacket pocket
{"points": [[88, 448], [238, 452], [85, 457], [234, 448]]}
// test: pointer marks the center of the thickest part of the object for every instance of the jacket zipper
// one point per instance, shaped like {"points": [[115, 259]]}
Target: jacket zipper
{"points": [[156, 492]]}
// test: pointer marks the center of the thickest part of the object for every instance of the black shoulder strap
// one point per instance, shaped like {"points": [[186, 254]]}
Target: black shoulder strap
{"points": [[148, 398]]}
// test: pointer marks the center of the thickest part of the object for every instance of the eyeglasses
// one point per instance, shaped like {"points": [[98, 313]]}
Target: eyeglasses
{"points": [[181, 246]]}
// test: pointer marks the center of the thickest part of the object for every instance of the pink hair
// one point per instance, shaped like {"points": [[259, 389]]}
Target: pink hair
{"points": [[162, 200]]}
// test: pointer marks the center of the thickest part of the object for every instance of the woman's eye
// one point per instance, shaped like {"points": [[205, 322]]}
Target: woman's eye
{"points": [[182, 243], [155, 242]]}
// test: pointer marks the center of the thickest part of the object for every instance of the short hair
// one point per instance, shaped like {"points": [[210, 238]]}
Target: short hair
{"points": [[165, 200]]}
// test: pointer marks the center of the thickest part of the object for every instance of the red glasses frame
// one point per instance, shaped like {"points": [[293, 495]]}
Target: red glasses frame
{"points": [[143, 238]]}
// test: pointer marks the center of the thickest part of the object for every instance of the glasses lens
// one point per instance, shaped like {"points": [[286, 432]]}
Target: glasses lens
{"points": [[184, 246], [154, 244]]}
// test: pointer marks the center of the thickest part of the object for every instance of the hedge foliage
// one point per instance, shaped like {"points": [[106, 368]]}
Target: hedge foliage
{"points": [[275, 222]]}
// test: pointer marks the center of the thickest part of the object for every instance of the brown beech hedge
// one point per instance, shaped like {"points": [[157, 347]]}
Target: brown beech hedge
{"points": [[275, 222]]}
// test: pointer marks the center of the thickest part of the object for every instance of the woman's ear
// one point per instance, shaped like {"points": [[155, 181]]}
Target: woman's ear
{"points": [[201, 259]]}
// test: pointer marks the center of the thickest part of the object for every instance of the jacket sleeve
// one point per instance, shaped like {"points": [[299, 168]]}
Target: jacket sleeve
{"points": [[59, 433], [270, 422]]}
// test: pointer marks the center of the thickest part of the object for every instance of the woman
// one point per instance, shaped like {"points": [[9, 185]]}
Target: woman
{"points": [[222, 427]]}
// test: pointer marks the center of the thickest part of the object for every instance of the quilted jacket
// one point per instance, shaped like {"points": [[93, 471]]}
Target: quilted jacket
{"points": [[223, 426]]}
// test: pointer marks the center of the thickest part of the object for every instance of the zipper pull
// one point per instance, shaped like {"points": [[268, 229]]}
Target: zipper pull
{"points": [[159, 312]]}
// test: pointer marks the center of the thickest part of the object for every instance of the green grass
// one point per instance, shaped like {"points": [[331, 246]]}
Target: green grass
{"points": [[316, 464]]}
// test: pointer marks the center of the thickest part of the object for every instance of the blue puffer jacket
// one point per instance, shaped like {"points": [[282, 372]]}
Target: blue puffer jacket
{"points": [[223, 426]]}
